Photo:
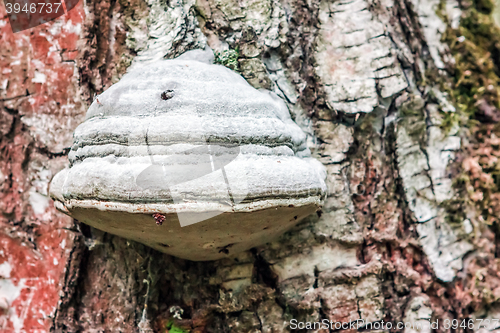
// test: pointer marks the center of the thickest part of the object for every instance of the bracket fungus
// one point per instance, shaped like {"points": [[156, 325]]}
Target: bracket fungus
{"points": [[186, 157]]}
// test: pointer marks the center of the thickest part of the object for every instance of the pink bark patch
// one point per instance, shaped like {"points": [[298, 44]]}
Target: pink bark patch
{"points": [[36, 81], [30, 285]]}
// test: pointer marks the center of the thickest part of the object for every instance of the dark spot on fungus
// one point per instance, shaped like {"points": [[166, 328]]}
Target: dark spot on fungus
{"points": [[167, 94], [159, 218], [291, 206], [163, 245], [295, 217], [224, 249], [265, 228]]}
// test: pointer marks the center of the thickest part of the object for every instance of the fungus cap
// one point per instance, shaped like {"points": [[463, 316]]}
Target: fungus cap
{"points": [[188, 158]]}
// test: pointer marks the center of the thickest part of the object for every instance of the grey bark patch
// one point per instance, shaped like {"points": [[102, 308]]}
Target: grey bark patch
{"points": [[355, 57], [422, 167]]}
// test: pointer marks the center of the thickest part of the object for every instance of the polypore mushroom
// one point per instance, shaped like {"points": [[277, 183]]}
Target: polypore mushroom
{"points": [[186, 157]]}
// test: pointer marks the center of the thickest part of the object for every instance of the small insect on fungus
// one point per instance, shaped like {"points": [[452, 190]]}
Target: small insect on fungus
{"points": [[96, 99], [159, 218], [167, 94]]}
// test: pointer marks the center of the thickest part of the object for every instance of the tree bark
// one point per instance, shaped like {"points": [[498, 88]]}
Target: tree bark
{"points": [[399, 101]]}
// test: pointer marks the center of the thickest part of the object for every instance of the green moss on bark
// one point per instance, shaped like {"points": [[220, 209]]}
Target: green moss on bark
{"points": [[228, 58], [474, 87], [475, 46]]}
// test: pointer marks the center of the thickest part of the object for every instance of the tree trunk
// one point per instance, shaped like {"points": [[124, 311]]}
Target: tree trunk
{"points": [[399, 99]]}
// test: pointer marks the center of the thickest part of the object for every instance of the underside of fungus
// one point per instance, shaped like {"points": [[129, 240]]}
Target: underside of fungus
{"points": [[186, 157]]}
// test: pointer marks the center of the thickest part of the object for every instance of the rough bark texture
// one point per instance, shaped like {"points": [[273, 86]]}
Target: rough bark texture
{"points": [[398, 98]]}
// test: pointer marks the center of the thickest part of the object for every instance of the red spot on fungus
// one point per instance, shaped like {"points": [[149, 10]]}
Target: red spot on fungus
{"points": [[159, 218]]}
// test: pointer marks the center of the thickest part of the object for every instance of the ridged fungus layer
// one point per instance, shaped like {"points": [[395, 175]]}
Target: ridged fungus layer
{"points": [[186, 157]]}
